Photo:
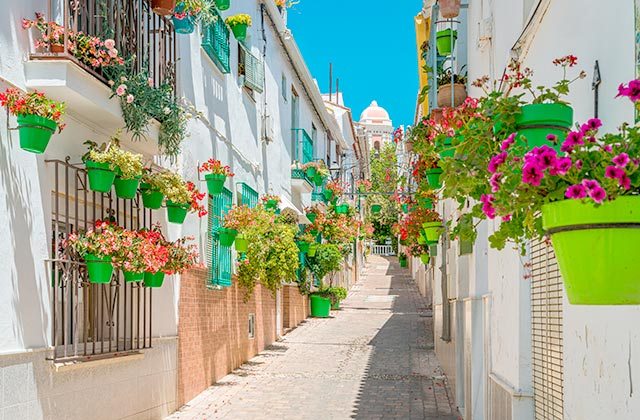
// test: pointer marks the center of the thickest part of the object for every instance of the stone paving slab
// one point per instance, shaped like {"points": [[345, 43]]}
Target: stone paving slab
{"points": [[374, 359]]}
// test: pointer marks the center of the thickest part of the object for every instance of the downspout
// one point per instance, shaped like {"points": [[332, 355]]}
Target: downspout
{"points": [[446, 305]]}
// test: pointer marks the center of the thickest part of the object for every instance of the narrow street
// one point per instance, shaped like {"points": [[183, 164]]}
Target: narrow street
{"points": [[373, 359]]}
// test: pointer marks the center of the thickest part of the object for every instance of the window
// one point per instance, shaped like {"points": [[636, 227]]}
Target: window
{"points": [[314, 138], [251, 68], [252, 325], [283, 87], [248, 196], [220, 262], [215, 42]]}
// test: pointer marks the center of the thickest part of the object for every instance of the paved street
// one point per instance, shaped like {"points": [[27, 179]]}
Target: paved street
{"points": [[373, 359]]}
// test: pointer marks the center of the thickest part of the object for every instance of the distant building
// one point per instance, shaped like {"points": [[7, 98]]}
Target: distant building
{"points": [[377, 124]]}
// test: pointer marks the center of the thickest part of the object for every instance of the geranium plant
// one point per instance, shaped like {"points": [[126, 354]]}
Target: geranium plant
{"points": [[182, 192], [200, 10], [104, 240], [215, 167], [33, 103], [364, 185]]}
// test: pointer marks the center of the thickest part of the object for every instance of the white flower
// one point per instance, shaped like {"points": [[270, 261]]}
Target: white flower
{"points": [[166, 111]]}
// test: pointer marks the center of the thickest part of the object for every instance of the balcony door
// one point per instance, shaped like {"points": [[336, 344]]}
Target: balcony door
{"points": [[295, 124]]}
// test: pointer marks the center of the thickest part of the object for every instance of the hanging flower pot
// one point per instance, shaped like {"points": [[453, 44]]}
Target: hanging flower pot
{"points": [[35, 132], [242, 244], [537, 121], [445, 148], [312, 217], [56, 48], [433, 178], [99, 269], [444, 42], [130, 276], [101, 177], [176, 212], [127, 188], [342, 209], [151, 199], [183, 22], [313, 248], [318, 180], [449, 8], [422, 240], [376, 208], [240, 31], [311, 172], [223, 4], [215, 183], [405, 208], [271, 204], [227, 236], [459, 95], [403, 263], [163, 7], [153, 279], [425, 258], [303, 246], [320, 306], [596, 249], [432, 231], [328, 195]]}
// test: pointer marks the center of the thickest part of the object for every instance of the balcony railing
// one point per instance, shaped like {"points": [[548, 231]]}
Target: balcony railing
{"points": [[136, 30], [215, 42], [302, 145]]}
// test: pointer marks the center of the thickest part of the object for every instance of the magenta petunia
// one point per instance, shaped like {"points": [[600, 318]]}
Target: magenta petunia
{"points": [[577, 191], [624, 182], [574, 138], [598, 194], [592, 125], [508, 142], [590, 184], [614, 172], [621, 160], [494, 181], [631, 91], [552, 138], [607, 148], [506, 218], [496, 161], [562, 165], [531, 174], [487, 206]]}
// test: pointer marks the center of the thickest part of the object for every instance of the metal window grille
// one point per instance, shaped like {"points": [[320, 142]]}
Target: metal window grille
{"points": [[303, 146], [221, 262], [547, 321], [93, 321], [252, 69], [248, 196], [215, 42]]}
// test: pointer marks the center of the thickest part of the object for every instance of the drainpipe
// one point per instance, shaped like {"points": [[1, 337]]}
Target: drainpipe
{"points": [[446, 305]]}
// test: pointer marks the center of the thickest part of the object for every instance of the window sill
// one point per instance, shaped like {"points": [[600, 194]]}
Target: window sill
{"points": [[98, 361]]}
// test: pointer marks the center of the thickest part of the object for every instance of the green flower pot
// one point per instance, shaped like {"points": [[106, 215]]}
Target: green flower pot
{"points": [[537, 121], [596, 249], [153, 279], [126, 188], [313, 248], [223, 4], [318, 180], [405, 208], [35, 132], [432, 231], [242, 244], [425, 258], [176, 213], [428, 204], [446, 148], [311, 172], [376, 208], [403, 263], [151, 199], [99, 269], [240, 31], [342, 209], [215, 183], [320, 306], [422, 240], [312, 217], [444, 44], [433, 178], [303, 246], [130, 276], [328, 195], [101, 177], [227, 236]]}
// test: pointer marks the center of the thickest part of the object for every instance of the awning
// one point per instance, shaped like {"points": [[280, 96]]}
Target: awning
{"points": [[285, 203]]}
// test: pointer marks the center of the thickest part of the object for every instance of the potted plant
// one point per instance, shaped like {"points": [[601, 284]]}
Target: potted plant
{"points": [[446, 41], [129, 170], [163, 7], [451, 86], [180, 258], [376, 208], [322, 173], [363, 186], [100, 171], [216, 175], [342, 208], [310, 169], [449, 8], [312, 213], [182, 197], [184, 14], [402, 259], [151, 187], [98, 247], [304, 241], [38, 117], [271, 201], [327, 259], [223, 4], [239, 24], [109, 164], [337, 295]]}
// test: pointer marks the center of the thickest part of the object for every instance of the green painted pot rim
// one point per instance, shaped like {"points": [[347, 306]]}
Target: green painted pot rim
{"points": [[624, 209], [432, 224], [37, 121], [446, 33], [178, 205], [433, 171], [545, 114], [91, 164], [215, 176]]}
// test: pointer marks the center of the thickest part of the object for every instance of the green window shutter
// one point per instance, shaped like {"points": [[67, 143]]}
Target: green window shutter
{"points": [[221, 262], [253, 70], [248, 196], [215, 42], [307, 148]]}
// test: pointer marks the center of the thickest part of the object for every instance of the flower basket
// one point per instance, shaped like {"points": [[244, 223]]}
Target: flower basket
{"points": [[311, 172], [227, 236], [444, 43], [35, 132], [318, 180], [242, 244], [153, 279], [99, 268], [596, 249], [537, 121], [240, 31], [176, 212], [215, 183], [151, 199], [163, 7], [185, 25], [101, 177], [303, 246], [432, 231], [376, 208], [425, 258], [130, 276], [342, 209], [433, 178], [223, 4], [320, 306], [312, 217], [313, 248], [127, 188], [444, 95]]}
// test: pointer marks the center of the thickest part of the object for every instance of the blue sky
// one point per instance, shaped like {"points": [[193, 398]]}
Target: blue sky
{"points": [[371, 45]]}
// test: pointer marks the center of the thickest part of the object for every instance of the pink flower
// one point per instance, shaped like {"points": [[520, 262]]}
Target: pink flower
{"points": [[109, 44], [590, 184], [577, 192], [495, 182], [624, 182], [631, 91], [130, 98], [552, 138], [120, 90], [508, 142], [113, 53], [607, 148], [614, 172], [496, 161], [531, 174], [574, 138], [562, 165], [487, 206], [621, 160], [506, 218], [598, 194]]}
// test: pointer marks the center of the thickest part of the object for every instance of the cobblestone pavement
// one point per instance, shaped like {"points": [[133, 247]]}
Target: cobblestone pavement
{"points": [[373, 359]]}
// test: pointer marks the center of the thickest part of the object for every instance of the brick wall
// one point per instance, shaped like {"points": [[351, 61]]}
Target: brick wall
{"points": [[213, 331], [295, 306]]}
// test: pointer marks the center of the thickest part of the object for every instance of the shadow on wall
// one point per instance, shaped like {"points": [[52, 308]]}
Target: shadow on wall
{"points": [[402, 378]]}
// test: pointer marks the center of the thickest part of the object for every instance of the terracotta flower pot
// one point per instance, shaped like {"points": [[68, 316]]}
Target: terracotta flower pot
{"points": [[444, 95], [56, 48], [449, 8], [163, 7]]}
